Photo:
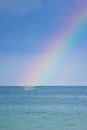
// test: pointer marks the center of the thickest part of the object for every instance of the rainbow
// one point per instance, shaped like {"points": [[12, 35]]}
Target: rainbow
{"points": [[61, 47]]}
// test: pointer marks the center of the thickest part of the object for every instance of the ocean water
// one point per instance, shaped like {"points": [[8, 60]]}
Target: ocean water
{"points": [[45, 108]]}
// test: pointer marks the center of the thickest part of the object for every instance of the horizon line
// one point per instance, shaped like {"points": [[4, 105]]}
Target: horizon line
{"points": [[44, 85]]}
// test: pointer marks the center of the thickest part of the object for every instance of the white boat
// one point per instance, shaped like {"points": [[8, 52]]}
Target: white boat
{"points": [[29, 87]]}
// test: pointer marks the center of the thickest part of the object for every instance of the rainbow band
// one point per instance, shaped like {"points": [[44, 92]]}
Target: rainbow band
{"points": [[60, 48]]}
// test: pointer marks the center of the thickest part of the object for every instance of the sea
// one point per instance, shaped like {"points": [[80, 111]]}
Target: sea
{"points": [[44, 108]]}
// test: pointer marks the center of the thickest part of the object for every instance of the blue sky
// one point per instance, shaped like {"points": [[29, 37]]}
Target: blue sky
{"points": [[25, 26]]}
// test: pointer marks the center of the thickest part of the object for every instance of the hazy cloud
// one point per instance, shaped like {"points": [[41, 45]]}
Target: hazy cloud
{"points": [[18, 7]]}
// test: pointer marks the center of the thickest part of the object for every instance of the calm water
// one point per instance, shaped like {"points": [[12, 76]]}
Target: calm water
{"points": [[46, 108]]}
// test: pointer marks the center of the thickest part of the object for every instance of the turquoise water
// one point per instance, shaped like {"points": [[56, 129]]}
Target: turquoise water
{"points": [[46, 108]]}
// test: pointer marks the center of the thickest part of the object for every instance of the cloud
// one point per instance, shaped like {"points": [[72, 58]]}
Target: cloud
{"points": [[19, 7]]}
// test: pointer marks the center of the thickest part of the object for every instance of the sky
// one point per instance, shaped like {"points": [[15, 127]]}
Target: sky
{"points": [[43, 42]]}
